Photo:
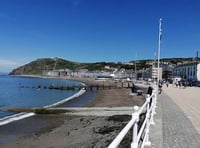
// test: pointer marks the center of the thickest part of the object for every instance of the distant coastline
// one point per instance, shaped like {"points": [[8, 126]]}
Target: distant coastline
{"points": [[4, 73]]}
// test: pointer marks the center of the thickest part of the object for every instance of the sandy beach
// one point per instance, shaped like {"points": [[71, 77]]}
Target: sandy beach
{"points": [[59, 131]]}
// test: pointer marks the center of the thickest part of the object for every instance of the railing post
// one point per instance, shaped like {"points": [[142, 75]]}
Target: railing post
{"points": [[155, 92], [134, 143], [147, 142], [155, 100], [153, 108]]}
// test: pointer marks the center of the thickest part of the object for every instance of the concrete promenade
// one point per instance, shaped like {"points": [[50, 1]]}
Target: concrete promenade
{"points": [[177, 122], [97, 111]]}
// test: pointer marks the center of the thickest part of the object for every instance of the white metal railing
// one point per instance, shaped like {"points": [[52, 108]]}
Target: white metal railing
{"points": [[139, 138]]}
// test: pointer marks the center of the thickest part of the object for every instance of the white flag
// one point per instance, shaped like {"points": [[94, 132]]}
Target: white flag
{"points": [[160, 29]]}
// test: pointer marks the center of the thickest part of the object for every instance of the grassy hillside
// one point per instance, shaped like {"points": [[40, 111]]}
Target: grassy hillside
{"points": [[38, 66]]}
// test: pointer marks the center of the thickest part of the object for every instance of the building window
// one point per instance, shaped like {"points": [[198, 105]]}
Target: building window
{"points": [[194, 73]]}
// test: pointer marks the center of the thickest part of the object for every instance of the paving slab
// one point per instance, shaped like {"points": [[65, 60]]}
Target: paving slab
{"points": [[188, 99], [172, 129]]}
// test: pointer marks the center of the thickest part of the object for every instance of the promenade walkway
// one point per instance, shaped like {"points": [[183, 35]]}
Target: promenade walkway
{"points": [[177, 122]]}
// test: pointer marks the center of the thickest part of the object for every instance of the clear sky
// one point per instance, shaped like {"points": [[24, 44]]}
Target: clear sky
{"points": [[96, 30]]}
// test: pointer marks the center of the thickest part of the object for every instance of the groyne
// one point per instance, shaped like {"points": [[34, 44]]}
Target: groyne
{"points": [[81, 86]]}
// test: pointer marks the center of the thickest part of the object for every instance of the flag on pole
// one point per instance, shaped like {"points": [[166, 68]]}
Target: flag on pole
{"points": [[160, 29]]}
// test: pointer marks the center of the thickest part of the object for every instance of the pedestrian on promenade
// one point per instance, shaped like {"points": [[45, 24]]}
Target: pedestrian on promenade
{"points": [[167, 83], [184, 84], [176, 83], [159, 87]]}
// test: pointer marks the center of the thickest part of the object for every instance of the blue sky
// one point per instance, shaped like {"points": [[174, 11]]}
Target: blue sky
{"points": [[96, 30]]}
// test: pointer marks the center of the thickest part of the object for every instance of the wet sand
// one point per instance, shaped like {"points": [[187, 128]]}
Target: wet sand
{"points": [[119, 97], [61, 131], [66, 131]]}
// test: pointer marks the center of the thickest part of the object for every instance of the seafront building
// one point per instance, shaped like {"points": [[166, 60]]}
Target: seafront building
{"points": [[56, 73], [165, 71], [188, 71], [85, 73], [154, 73]]}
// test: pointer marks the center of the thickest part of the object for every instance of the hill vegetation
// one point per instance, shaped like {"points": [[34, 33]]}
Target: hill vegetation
{"points": [[47, 64], [40, 65]]}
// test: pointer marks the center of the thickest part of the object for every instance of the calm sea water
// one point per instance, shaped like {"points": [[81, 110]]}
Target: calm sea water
{"points": [[22, 92]]}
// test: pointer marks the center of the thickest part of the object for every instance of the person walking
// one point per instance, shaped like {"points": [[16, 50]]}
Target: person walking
{"points": [[167, 83], [159, 87]]}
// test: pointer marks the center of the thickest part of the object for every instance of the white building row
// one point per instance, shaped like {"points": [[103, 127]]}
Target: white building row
{"points": [[189, 71]]}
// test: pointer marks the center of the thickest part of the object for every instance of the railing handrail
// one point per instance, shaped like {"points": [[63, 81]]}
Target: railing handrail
{"points": [[122, 134], [148, 108]]}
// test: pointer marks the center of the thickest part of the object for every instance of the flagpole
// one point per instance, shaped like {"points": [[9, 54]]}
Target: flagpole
{"points": [[159, 39], [135, 61]]}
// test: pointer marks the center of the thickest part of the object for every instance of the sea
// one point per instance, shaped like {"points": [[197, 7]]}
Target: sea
{"points": [[30, 92]]}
